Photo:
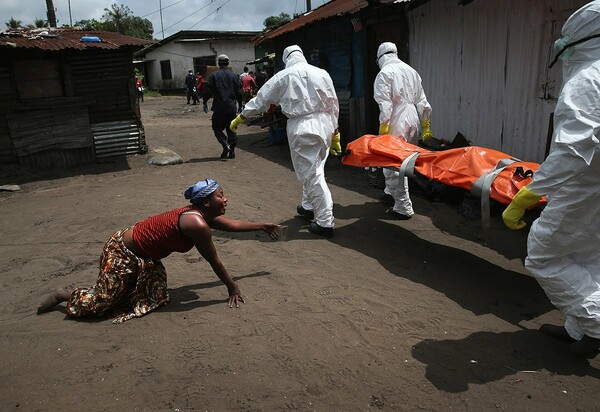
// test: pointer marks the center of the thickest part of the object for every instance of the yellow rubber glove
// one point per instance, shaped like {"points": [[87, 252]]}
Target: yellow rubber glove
{"points": [[514, 212], [236, 122], [426, 130], [336, 146], [384, 129]]}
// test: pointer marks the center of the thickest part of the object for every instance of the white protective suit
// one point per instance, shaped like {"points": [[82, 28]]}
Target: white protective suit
{"points": [[308, 99], [564, 243], [402, 104]]}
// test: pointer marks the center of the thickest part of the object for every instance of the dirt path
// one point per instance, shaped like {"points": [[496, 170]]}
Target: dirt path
{"points": [[431, 313]]}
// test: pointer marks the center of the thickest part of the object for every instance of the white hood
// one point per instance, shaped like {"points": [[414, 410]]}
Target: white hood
{"points": [[386, 53], [292, 55], [583, 23]]}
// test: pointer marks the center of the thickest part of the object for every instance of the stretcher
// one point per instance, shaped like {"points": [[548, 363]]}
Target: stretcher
{"points": [[486, 173]]}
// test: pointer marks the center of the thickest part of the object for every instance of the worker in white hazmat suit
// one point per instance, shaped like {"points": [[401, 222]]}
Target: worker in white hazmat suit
{"points": [[563, 247], [403, 106], [307, 97]]}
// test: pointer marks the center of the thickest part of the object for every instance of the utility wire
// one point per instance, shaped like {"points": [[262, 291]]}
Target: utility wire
{"points": [[166, 7], [216, 10], [191, 14]]}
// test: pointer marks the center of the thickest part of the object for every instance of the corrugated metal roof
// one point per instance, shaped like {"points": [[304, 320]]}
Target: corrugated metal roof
{"points": [[333, 8], [60, 39]]}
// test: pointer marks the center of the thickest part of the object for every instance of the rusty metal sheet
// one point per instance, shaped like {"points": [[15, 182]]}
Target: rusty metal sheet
{"points": [[333, 8], [60, 39]]}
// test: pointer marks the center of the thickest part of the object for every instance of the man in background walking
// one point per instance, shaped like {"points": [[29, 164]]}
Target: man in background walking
{"points": [[226, 91]]}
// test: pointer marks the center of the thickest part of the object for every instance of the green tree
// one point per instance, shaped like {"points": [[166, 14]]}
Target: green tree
{"points": [[117, 14], [120, 18], [272, 22], [139, 27], [14, 24], [91, 24], [40, 23]]}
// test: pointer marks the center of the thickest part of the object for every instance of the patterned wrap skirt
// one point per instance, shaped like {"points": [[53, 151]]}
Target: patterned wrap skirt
{"points": [[127, 285]]}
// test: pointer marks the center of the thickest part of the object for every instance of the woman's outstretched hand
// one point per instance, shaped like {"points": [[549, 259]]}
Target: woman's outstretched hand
{"points": [[272, 230], [235, 297]]}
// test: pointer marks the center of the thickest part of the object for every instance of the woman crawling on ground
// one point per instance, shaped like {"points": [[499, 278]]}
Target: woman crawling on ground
{"points": [[132, 279]]}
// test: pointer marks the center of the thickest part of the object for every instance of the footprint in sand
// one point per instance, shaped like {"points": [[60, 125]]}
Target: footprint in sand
{"points": [[325, 291]]}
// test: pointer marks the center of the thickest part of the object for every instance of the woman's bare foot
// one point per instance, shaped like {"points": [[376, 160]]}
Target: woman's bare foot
{"points": [[56, 297]]}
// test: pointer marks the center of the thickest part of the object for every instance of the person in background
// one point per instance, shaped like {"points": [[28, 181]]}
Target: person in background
{"points": [[226, 91], [133, 281], [307, 97], [261, 78], [190, 83], [248, 86], [269, 72], [402, 101], [244, 73], [139, 89], [198, 85], [563, 247]]}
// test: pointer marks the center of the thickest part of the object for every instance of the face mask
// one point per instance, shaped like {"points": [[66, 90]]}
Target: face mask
{"points": [[561, 44], [565, 49], [377, 60]]}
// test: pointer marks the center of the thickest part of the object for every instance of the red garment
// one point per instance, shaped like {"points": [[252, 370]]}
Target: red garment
{"points": [[198, 81], [248, 83], [159, 236]]}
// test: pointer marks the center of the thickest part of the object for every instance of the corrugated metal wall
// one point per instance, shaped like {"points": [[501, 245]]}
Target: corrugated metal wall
{"points": [[97, 116], [7, 151], [51, 137], [383, 24], [62, 127], [58, 158], [104, 76], [116, 138], [326, 44], [483, 67]]}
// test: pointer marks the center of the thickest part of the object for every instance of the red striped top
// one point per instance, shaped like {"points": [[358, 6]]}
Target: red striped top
{"points": [[159, 236]]}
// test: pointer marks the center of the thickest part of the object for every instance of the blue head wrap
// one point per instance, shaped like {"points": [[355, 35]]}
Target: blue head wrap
{"points": [[201, 190]]}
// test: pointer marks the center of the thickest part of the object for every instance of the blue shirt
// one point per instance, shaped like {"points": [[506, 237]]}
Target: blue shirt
{"points": [[225, 88]]}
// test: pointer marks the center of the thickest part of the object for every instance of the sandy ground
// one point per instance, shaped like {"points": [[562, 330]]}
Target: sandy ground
{"points": [[428, 314]]}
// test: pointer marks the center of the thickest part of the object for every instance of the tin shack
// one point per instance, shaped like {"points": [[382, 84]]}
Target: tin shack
{"points": [[67, 97]]}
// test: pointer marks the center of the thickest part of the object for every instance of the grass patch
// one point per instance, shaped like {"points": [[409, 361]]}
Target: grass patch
{"points": [[151, 93]]}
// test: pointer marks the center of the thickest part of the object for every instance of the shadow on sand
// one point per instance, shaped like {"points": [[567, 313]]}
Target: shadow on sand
{"points": [[452, 365], [511, 244]]}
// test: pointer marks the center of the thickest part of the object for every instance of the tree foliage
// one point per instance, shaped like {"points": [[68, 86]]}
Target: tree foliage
{"points": [[117, 15], [91, 25], [120, 18], [272, 22], [139, 27], [14, 24], [117, 18], [40, 23]]}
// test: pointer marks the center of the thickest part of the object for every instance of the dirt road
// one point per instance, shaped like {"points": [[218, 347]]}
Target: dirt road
{"points": [[428, 314]]}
